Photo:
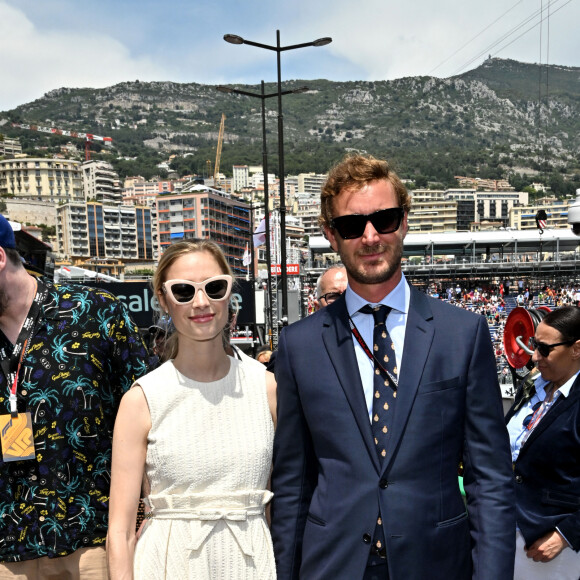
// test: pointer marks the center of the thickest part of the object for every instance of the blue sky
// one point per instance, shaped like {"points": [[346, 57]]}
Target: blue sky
{"points": [[48, 44]]}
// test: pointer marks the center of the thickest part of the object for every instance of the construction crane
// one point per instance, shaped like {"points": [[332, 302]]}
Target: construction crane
{"points": [[88, 137], [218, 154]]}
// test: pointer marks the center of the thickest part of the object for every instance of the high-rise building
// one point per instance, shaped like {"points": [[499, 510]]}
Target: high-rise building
{"points": [[101, 182], [479, 206], [240, 178], [96, 230], [52, 180], [202, 212]]}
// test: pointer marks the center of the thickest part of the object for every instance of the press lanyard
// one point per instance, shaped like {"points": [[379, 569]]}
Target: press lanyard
{"points": [[394, 383], [11, 367]]}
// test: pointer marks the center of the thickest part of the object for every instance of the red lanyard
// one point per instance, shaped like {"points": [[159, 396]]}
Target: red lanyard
{"points": [[21, 346], [394, 383]]}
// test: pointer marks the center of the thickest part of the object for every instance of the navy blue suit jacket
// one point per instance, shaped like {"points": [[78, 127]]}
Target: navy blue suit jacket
{"points": [[327, 481], [547, 472]]}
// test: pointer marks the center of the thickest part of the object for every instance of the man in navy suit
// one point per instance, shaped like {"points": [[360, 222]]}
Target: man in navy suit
{"points": [[362, 495]]}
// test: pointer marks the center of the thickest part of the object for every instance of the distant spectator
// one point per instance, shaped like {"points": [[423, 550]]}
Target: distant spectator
{"points": [[264, 354], [330, 285]]}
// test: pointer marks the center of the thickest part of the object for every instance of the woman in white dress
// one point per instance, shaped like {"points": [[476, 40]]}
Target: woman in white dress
{"points": [[197, 434]]}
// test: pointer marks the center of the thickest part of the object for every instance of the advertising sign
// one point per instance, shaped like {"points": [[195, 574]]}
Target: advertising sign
{"points": [[291, 269]]}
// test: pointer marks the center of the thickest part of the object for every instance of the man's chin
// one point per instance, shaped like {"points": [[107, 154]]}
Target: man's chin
{"points": [[376, 275]]}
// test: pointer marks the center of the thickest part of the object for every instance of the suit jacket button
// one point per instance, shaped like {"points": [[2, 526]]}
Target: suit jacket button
{"points": [[519, 479], [383, 484], [367, 538]]}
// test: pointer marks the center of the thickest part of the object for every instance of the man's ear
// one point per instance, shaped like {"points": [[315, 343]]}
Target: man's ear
{"points": [[576, 350], [3, 258], [405, 224]]}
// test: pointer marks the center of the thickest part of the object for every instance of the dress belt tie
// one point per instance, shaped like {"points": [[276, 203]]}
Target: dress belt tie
{"points": [[236, 506], [204, 510]]}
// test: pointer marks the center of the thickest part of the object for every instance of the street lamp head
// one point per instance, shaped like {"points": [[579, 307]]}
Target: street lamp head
{"points": [[233, 39], [322, 41], [223, 89], [300, 90]]}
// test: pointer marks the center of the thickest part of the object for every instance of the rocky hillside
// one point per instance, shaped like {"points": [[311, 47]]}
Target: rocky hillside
{"points": [[494, 120]]}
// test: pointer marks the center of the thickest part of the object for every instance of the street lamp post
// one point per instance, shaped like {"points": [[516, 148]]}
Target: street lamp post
{"points": [[262, 96], [235, 39]]}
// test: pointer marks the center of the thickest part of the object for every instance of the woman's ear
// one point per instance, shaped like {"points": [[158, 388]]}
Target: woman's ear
{"points": [[163, 302]]}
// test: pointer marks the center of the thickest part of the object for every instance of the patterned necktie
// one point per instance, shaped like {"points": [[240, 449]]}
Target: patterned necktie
{"points": [[384, 398], [385, 393]]}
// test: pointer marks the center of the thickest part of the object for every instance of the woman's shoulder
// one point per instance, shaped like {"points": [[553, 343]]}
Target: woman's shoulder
{"points": [[248, 364], [161, 373]]}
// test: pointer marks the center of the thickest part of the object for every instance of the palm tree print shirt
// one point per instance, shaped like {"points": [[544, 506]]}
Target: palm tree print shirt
{"points": [[84, 354]]}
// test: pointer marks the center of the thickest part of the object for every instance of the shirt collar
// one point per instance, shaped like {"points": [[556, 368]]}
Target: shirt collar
{"points": [[396, 299], [564, 389]]}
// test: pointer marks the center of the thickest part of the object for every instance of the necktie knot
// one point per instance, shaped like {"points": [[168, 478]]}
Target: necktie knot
{"points": [[379, 312]]}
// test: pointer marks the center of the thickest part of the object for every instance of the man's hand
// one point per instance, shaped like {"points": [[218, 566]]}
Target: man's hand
{"points": [[547, 547]]}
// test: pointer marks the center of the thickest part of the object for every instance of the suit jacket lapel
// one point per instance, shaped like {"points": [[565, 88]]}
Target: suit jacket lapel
{"points": [[559, 407], [337, 339], [418, 339]]}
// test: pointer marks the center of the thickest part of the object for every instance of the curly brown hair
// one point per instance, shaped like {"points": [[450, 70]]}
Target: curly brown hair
{"points": [[356, 171]]}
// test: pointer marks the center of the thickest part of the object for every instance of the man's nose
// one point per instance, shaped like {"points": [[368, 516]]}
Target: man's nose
{"points": [[370, 235]]}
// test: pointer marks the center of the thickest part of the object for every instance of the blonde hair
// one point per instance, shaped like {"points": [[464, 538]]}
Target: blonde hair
{"points": [[169, 257]]}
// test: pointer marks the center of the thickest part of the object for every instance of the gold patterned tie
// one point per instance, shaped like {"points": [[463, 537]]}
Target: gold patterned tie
{"points": [[384, 399], [385, 378]]}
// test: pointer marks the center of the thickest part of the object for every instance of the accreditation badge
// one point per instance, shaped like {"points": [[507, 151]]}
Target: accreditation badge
{"points": [[16, 436]]}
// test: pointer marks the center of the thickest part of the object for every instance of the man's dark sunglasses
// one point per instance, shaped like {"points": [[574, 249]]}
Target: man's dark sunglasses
{"points": [[385, 221], [545, 349]]}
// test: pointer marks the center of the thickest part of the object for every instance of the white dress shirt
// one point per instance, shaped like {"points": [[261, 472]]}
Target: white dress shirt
{"points": [[398, 301]]}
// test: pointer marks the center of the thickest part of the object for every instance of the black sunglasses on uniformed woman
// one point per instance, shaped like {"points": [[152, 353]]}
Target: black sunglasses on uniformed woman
{"points": [[183, 291], [385, 221], [545, 349]]}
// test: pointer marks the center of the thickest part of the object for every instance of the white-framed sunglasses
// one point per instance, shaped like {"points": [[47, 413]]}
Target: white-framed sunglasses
{"points": [[183, 291]]}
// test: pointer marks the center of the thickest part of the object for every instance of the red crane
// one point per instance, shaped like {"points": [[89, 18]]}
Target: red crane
{"points": [[88, 137]]}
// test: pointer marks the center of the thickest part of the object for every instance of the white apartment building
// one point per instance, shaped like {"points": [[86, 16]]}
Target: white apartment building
{"points": [[311, 182], [524, 218], [101, 182], [476, 206], [10, 147], [431, 211], [308, 210], [241, 177], [52, 180]]}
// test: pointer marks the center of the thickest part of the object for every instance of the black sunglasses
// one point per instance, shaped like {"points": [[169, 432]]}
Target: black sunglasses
{"points": [[385, 221], [183, 291], [545, 349]]}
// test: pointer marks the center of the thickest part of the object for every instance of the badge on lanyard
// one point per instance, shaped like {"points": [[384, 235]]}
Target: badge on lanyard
{"points": [[16, 437], [16, 434]]}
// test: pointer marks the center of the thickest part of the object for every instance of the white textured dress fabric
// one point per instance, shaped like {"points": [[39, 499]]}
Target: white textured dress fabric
{"points": [[208, 462]]}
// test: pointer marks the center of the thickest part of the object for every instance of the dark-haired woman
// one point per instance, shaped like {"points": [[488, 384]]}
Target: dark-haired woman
{"points": [[544, 427], [198, 431]]}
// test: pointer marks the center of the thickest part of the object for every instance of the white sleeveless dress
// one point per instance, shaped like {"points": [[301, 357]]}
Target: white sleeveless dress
{"points": [[208, 462]]}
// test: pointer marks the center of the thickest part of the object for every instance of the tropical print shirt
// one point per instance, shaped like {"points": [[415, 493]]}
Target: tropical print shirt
{"points": [[84, 354]]}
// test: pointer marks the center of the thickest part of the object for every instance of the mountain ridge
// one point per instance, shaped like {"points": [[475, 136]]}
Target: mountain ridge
{"points": [[490, 121]]}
